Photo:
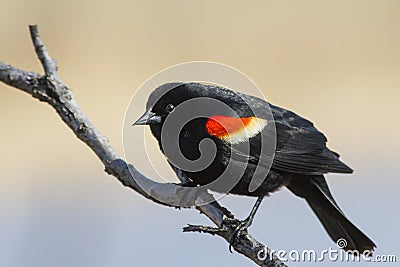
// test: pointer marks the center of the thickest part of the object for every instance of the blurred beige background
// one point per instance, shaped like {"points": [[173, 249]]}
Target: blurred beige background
{"points": [[334, 62]]}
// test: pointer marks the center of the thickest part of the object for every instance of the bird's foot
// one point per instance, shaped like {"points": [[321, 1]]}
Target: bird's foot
{"points": [[240, 228]]}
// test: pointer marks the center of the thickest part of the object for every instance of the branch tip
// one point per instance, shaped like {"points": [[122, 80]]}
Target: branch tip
{"points": [[49, 64]]}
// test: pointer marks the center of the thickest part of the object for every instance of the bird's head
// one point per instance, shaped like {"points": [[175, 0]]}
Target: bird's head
{"points": [[162, 101]]}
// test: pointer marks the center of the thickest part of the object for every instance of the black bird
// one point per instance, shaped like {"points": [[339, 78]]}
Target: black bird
{"points": [[300, 160]]}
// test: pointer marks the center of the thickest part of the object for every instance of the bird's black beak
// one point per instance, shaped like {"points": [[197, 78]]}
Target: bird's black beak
{"points": [[148, 118]]}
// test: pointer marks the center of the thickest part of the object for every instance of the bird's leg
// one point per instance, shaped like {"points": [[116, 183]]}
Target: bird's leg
{"points": [[249, 219], [246, 223]]}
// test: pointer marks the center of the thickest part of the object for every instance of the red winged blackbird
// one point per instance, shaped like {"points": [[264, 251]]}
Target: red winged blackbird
{"points": [[300, 161]]}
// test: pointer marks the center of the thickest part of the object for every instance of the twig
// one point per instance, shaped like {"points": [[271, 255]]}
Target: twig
{"points": [[49, 64], [50, 89]]}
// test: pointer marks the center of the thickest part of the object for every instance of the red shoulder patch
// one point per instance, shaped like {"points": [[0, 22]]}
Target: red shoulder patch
{"points": [[223, 126]]}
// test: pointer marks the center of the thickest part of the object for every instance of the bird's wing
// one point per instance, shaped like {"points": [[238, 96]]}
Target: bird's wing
{"points": [[301, 148]]}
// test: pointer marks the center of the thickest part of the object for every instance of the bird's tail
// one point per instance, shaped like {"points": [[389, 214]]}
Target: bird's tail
{"points": [[316, 192]]}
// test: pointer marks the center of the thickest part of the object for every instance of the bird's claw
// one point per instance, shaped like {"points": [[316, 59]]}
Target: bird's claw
{"points": [[240, 228]]}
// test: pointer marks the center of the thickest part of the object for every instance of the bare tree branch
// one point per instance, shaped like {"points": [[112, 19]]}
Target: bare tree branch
{"points": [[50, 89]]}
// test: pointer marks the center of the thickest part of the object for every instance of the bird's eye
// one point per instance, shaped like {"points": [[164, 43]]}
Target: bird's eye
{"points": [[169, 108]]}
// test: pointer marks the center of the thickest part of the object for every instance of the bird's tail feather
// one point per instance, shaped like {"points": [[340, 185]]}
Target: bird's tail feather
{"points": [[316, 193]]}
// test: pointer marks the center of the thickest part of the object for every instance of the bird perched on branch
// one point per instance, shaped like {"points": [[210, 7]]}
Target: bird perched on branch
{"points": [[250, 139]]}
